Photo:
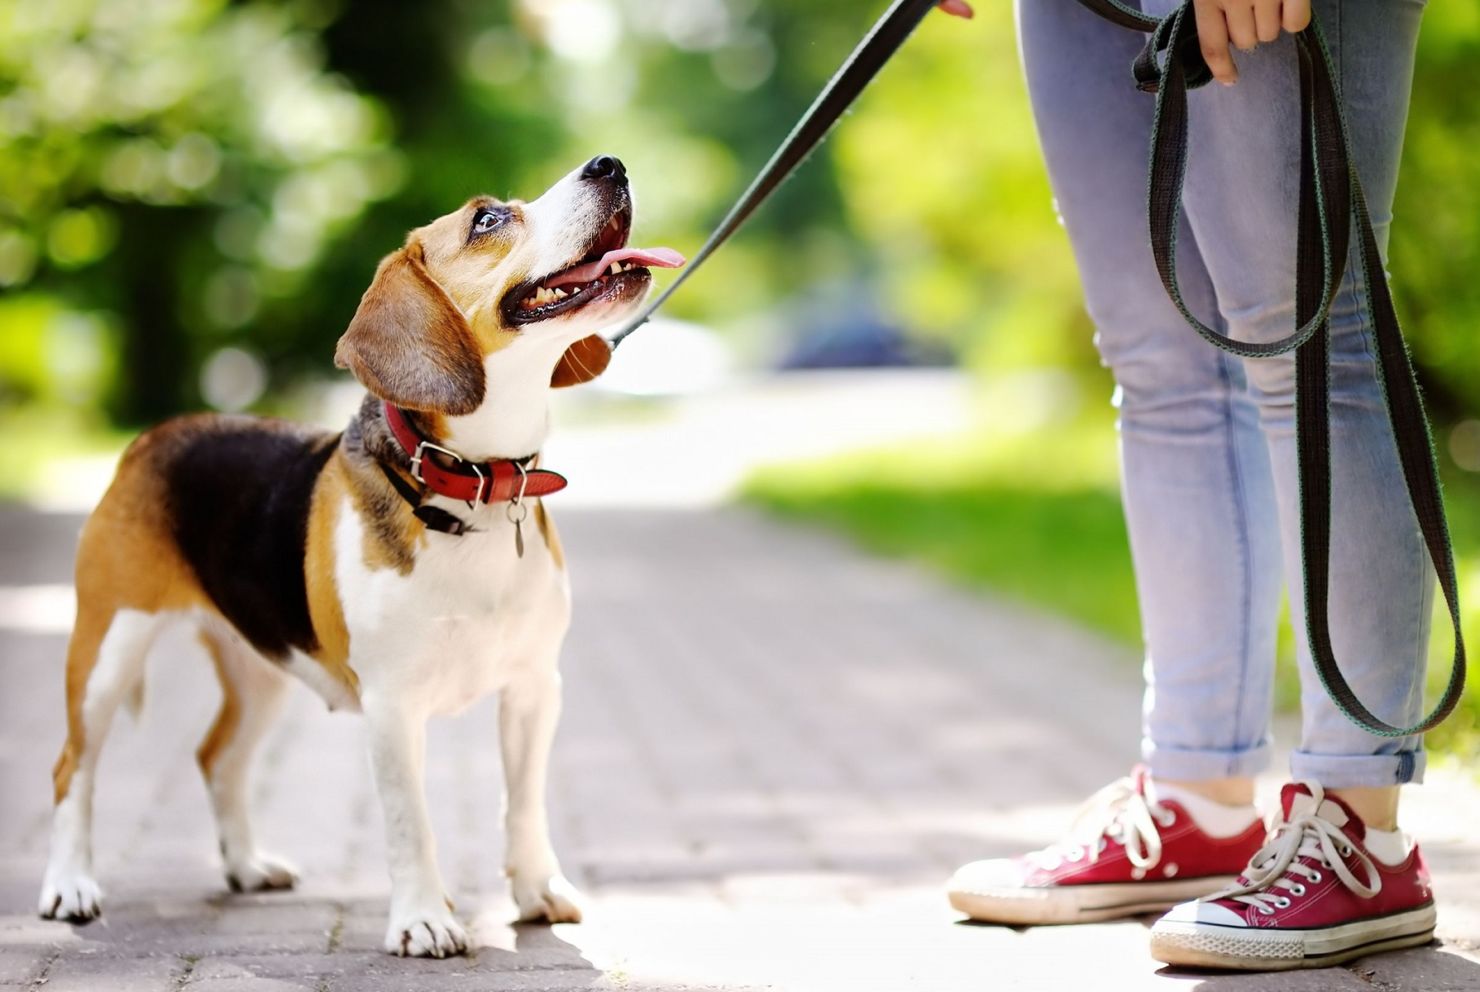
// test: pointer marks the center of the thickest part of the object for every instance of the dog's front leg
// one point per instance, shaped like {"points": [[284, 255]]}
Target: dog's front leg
{"points": [[528, 711], [421, 921]]}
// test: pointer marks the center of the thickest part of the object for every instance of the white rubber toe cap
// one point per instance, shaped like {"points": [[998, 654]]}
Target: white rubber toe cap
{"points": [[1202, 912], [987, 876]]}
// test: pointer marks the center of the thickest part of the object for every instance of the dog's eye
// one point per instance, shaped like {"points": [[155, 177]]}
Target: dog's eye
{"points": [[486, 220]]}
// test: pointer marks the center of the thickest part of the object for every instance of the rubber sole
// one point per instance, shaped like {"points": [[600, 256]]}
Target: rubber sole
{"points": [[1081, 903], [1211, 945]]}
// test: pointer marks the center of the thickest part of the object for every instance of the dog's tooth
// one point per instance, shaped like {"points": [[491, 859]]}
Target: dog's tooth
{"points": [[561, 294], [616, 267]]}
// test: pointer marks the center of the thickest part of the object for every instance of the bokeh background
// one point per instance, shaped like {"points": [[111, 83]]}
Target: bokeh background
{"points": [[193, 194]]}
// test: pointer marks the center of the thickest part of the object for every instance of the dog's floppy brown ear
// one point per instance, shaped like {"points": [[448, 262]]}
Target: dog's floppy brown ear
{"points": [[582, 362], [409, 344]]}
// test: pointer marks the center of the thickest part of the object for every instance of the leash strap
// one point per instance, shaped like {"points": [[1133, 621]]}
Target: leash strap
{"points": [[1330, 197], [877, 47]]}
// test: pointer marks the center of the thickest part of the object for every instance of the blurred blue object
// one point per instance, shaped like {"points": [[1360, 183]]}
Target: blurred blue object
{"points": [[855, 334]]}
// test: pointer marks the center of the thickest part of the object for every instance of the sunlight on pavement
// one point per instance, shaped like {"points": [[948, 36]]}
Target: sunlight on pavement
{"points": [[46, 608], [697, 449]]}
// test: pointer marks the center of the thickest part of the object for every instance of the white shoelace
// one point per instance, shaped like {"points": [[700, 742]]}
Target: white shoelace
{"points": [[1117, 812], [1275, 873]]}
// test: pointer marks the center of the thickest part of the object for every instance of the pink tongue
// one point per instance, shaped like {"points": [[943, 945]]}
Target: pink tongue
{"points": [[662, 258]]}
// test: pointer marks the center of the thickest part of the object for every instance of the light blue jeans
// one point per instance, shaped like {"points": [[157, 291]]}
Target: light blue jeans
{"points": [[1207, 439]]}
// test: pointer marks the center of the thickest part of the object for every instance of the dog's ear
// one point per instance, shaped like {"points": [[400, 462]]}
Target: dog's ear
{"points": [[409, 344], [582, 362]]}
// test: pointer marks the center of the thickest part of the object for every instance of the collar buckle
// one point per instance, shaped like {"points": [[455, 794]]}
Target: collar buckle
{"points": [[418, 456]]}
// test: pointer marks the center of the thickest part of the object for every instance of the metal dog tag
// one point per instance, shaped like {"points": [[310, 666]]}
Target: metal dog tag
{"points": [[516, 513]]}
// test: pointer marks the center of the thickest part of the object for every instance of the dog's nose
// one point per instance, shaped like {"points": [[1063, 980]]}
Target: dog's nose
{"points": [[605, 167]]}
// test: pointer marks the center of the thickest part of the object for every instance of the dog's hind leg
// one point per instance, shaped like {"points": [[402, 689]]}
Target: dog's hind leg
{"points": [[105, 660], [528, 711], [253, 690]]}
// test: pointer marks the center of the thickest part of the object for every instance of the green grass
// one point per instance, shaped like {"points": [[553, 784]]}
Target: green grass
{"points": [[1037, 517]]}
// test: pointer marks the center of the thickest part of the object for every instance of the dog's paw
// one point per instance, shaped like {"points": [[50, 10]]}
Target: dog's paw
{"points": [[260, 873], [431, 933], [70, 896], [550, 898]]}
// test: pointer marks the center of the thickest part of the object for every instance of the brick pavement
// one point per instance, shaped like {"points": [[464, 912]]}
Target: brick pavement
{"points": [[773, 751]]}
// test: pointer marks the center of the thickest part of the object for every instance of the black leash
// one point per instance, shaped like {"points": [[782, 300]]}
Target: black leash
{"points": [[1330, 197], [877, 47]]}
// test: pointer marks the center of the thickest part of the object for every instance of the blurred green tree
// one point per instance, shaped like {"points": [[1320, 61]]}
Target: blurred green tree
{"points": [[179, 177], [174, 164], [1435, 250]]}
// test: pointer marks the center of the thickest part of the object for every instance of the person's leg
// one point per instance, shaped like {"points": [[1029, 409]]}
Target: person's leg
{"points": [[1241, 202], [1334, 882], [1199, 505], [1198, 497]]}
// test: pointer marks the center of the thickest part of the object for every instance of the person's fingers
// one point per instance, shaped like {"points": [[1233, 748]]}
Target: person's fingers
{"points": [[957, 8], [1296, 15], [1242, 30], [1212, 36], [1267, 20]]}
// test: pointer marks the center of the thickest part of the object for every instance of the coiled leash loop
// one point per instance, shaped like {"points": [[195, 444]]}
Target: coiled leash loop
{"points": [[1330, 197], [1169, 65]]}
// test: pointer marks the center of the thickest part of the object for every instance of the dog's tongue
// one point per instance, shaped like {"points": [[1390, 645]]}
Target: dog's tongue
{"points": [[662, 258]]}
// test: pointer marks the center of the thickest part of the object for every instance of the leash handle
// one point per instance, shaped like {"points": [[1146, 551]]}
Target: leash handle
{"points": [[1330, 198], [877, 47]]}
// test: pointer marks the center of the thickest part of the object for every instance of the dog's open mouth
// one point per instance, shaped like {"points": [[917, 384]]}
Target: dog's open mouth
{"points": [[607, 267]]}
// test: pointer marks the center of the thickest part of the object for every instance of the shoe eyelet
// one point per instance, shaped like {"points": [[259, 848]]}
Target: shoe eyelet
{"points": [[1282, 902], [1346, 852], [1316, 877], [1171, 819], [1265, 910], [1297, 890]]}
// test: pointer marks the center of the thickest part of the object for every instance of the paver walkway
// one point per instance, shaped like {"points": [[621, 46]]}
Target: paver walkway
{"points": [[773, 752]]}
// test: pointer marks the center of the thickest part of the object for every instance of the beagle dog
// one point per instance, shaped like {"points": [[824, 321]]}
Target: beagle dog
{"points": [[403, 568]]}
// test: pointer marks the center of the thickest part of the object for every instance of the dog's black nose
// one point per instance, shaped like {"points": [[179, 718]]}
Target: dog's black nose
{"points": [[605, 167]]}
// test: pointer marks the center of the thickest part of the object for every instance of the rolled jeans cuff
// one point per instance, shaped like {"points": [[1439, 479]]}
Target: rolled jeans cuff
{"points": [[1341, 771], [1195, 765]]}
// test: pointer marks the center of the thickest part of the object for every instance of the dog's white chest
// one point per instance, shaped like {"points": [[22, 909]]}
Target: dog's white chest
{"points": [[469, 615]]}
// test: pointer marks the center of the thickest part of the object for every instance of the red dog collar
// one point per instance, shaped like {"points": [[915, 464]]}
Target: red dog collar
{"points": [[498, 481]]}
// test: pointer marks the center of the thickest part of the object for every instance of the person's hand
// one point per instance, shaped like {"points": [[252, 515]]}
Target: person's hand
{"points": [[957, 8], [1244, 23]]}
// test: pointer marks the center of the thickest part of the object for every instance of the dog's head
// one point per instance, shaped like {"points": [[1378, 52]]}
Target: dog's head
{"points": [[529, 279]]}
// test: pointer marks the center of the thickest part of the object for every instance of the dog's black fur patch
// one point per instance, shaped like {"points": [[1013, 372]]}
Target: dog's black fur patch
{"points": [[239, 492]]}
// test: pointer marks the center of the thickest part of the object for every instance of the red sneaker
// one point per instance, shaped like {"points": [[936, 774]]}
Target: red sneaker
{"points": [[1126, 855], [1309, 898]]}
